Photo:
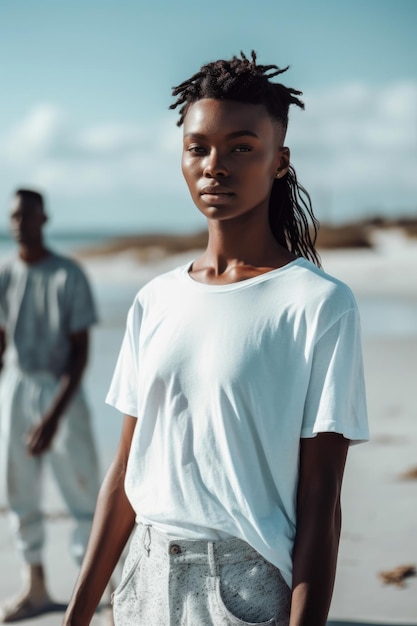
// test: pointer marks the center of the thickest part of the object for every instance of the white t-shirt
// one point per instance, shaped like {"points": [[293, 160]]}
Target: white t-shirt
{"points": [[41, 305], [225, 380]]}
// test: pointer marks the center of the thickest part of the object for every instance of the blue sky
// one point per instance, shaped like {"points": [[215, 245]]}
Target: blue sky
{"points": [[86, 88]]}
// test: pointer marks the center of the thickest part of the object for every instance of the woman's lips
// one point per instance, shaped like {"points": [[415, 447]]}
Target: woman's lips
{"points": [[215, 191], [216, 194]]}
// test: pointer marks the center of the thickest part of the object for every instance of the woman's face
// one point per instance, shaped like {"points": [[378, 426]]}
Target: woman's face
{"points": [[231, 155]]}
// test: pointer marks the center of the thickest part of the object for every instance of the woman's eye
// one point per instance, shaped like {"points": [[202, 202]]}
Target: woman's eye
{"points": [[196, 149], [242, 149]]}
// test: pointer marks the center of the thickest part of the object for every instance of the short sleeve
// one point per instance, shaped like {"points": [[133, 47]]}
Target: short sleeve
{"points": [[336, 400], [123, 391], [81, 306]]}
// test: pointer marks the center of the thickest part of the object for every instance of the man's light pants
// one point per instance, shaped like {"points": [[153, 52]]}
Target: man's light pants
{"points": [[24, 398]]}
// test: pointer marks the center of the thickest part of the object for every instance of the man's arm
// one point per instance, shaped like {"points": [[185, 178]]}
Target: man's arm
{"points": [[40, 437], [113, 522], [322, 462]]}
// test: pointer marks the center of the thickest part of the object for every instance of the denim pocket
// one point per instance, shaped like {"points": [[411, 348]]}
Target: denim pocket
{"points": [[130, 567], [251, 593]]}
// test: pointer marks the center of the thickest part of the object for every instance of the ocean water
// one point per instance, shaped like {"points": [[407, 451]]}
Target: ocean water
{"points": [[115, 287], [386, 316]]}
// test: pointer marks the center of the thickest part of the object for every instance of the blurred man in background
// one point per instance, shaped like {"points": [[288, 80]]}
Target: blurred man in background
{"points": [[46, 310]]}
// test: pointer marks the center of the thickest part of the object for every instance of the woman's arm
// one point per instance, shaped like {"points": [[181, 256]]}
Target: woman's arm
{"points": [[322, 462], [113, 522]]}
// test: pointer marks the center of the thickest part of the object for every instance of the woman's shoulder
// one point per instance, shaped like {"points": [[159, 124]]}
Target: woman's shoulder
{"points": [[322, 298], [162, 285], [316, 280]]}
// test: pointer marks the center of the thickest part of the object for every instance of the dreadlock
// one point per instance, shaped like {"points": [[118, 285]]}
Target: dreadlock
{"points": [[290, 211]]}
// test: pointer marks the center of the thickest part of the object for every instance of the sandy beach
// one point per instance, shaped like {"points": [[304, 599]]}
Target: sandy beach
{"points": [[380, 486]]}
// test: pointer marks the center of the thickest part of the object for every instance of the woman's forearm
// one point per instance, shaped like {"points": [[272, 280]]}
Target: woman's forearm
{"points": [[322, 462], [314, 562], [113, 523]]}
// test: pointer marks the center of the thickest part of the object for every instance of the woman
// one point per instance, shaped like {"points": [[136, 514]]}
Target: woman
{"points": [[240, 377]]}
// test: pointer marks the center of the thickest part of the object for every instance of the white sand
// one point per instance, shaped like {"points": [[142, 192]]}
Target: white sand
{"points": [[380, 512]]}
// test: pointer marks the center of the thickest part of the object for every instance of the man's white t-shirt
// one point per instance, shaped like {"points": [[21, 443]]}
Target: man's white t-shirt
{"points": [[224, 381], [41, 305]]}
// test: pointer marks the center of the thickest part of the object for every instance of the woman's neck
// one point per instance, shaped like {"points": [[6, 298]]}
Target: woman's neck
{"points": [[234, 254]]}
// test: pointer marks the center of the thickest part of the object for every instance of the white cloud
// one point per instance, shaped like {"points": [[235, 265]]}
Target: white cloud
{"points": [[45, 150], [34, 137], [359, 136], [353, 142], [112, 139]]}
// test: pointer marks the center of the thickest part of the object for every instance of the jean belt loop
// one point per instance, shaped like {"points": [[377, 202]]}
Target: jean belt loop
{"points": [[147, 538], [211, 558]]}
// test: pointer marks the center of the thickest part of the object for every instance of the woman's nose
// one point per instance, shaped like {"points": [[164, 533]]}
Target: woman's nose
{"points": [[214, 165]]}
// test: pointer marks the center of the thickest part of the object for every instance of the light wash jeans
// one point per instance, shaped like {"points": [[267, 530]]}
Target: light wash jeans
{"points": [[72, 459], [172, 582]]}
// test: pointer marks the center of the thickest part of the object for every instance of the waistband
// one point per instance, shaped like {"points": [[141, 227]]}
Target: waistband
{"points": [[197, 551], [37, 375]]}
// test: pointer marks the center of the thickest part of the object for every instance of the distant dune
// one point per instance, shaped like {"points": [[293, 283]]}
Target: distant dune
{"points": [[360, 234], [154, 246], [147, 247]]}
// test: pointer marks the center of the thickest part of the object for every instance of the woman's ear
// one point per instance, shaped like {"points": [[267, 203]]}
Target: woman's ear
{"points": [[284, 162]]}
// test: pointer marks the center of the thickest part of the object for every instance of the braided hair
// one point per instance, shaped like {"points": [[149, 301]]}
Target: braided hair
{"points": [[291, 216]]}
